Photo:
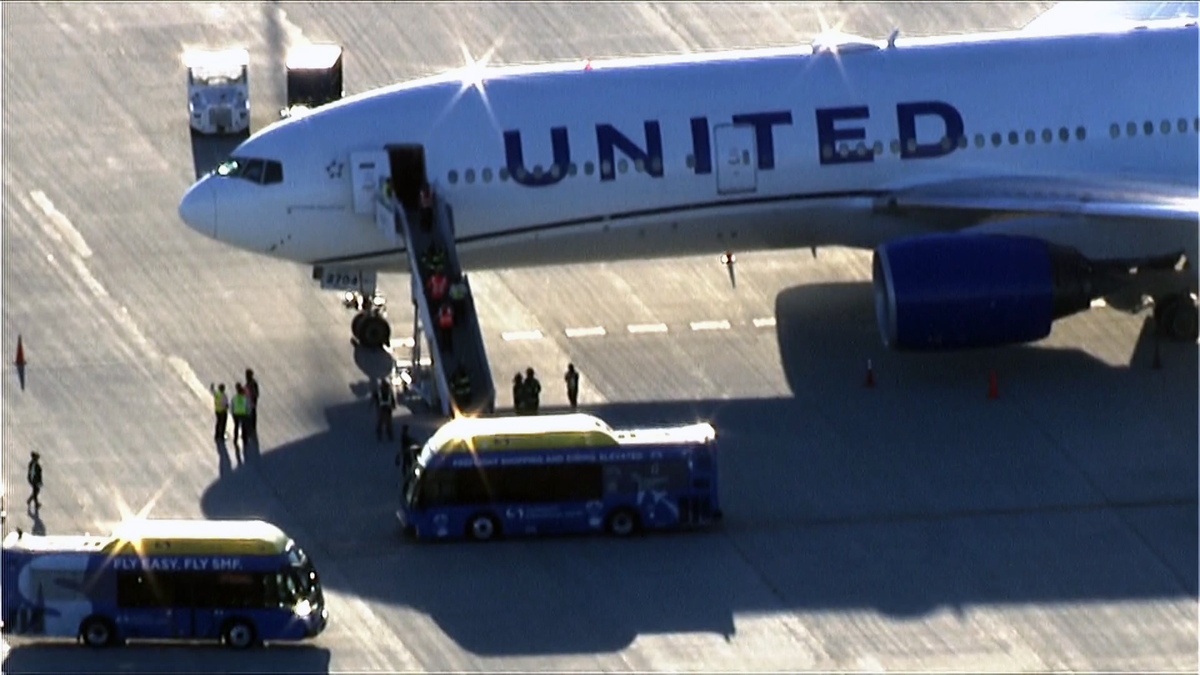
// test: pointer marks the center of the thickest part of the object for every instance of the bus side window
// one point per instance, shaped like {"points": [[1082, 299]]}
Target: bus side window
{"points": [[237, 589], [138, 590]]}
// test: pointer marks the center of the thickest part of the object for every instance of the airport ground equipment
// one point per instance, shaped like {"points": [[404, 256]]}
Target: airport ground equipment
{"points": [[314, 78], [218, 91], [485, 477]]}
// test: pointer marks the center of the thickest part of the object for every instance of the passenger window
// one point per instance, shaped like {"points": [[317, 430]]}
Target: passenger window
{"points": [[254, 171], [274, 173], [1080, 133]]}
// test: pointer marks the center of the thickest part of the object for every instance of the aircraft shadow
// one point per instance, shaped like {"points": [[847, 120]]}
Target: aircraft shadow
{"points": [[838, 498], [209, 151], [60, 657]]}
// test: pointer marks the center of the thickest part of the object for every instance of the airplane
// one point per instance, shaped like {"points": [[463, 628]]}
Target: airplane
{"points": [[1003, 181]]}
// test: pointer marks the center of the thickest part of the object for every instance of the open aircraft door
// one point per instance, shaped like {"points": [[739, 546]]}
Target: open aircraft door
{"points": [[736, 158], [368, 170]]}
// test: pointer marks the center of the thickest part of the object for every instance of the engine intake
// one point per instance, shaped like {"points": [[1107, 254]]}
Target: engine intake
{"points": [[962, 291]]}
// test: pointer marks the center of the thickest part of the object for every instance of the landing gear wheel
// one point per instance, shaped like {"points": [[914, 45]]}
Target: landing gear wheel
{"points": [[1177, 318], [375, 332], [356, 325], [97, 632], [482, 528]]}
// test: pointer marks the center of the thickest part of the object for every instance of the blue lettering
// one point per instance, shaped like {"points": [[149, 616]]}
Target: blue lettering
{"points": [[828, 135], [701, 146], [514, 156], [762, 133], [906, 118], [608, 138]]}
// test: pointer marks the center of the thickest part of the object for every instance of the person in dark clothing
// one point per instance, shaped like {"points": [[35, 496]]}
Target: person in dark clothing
{"points": [[34, 476], [518, 394], [460, 385], [385, 403], [533, 391], [251, 430], [572, 379], [406, 456]]}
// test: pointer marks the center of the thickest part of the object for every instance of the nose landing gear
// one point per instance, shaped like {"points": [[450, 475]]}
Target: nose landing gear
{"points": [[369, 326]]}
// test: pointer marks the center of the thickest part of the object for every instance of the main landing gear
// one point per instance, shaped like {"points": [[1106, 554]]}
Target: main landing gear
{"points": [[369, 327], [1177, 317]]}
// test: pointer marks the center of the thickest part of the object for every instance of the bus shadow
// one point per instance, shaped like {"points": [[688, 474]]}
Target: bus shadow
{"points": [[1076, 484], [156, 658]]}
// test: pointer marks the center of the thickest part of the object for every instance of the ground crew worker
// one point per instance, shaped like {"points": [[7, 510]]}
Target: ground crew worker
{"points": [[445, 323], [221, 408], [533, 391], [385, 403], [436, 286], [406, 457], [426, 203], [460, 384], [458, 294], [572, 379], [241, 408], [34, 476], [252, 397], [518, 394], [434, 259]]}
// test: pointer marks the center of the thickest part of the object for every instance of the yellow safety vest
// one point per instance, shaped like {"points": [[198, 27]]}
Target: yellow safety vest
{"points": [[218, 402], [239, 405]]}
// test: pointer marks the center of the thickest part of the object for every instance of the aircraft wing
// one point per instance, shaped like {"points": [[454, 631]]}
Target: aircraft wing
{"points": [[966, 202]]}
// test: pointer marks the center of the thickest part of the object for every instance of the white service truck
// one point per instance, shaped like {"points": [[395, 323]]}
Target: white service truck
{"points": [[218, 91]]}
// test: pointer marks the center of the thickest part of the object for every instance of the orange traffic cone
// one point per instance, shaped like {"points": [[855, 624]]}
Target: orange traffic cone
{"points": [[870, 381], [993, 388]]}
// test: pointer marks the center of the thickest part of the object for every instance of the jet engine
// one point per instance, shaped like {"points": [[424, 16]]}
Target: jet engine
{"points": [[961, 291]]}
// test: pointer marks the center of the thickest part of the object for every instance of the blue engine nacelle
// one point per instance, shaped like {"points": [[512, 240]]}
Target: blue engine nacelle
{"points": [[961, 291]]}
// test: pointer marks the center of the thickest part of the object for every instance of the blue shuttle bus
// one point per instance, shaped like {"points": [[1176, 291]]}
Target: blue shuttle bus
{"points": [[480, 478], [239, 582]]}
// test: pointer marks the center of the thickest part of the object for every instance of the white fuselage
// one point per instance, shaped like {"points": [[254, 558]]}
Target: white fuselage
{"points": [[1112, 106]]}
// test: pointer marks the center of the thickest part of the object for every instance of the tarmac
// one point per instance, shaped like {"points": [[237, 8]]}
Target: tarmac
{"points": [[918, 524]]}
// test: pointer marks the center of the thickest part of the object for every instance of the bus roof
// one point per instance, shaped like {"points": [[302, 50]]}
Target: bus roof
{"points": [[532, 432], [167, 537], [547, 432]]}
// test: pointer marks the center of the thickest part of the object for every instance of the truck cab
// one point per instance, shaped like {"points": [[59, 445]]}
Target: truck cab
{"points": [[218, 91]]}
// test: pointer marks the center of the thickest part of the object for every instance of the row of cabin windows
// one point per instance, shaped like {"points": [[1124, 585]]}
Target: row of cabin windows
{"points": [[141, 590], [997, 139]]}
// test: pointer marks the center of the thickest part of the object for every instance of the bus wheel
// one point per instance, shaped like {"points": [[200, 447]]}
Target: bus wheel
{"points": [[482, 527], [97, 632], [239, 634], [622, 522]]}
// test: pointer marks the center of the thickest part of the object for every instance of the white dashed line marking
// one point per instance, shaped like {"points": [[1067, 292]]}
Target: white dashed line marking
{"points": [[407, 363], [768, 322], [710, 325], [515, 336], [586, 332], [403, 343], [63, 230], [647, 328]]}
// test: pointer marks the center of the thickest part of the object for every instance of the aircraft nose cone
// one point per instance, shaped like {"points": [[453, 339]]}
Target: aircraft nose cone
{"points": [[198, 208]]}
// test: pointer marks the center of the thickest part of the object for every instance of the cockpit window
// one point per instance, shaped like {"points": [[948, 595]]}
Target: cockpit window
{"points": [[273, 174], [253, 171], [230, 167], [261, 171]]}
